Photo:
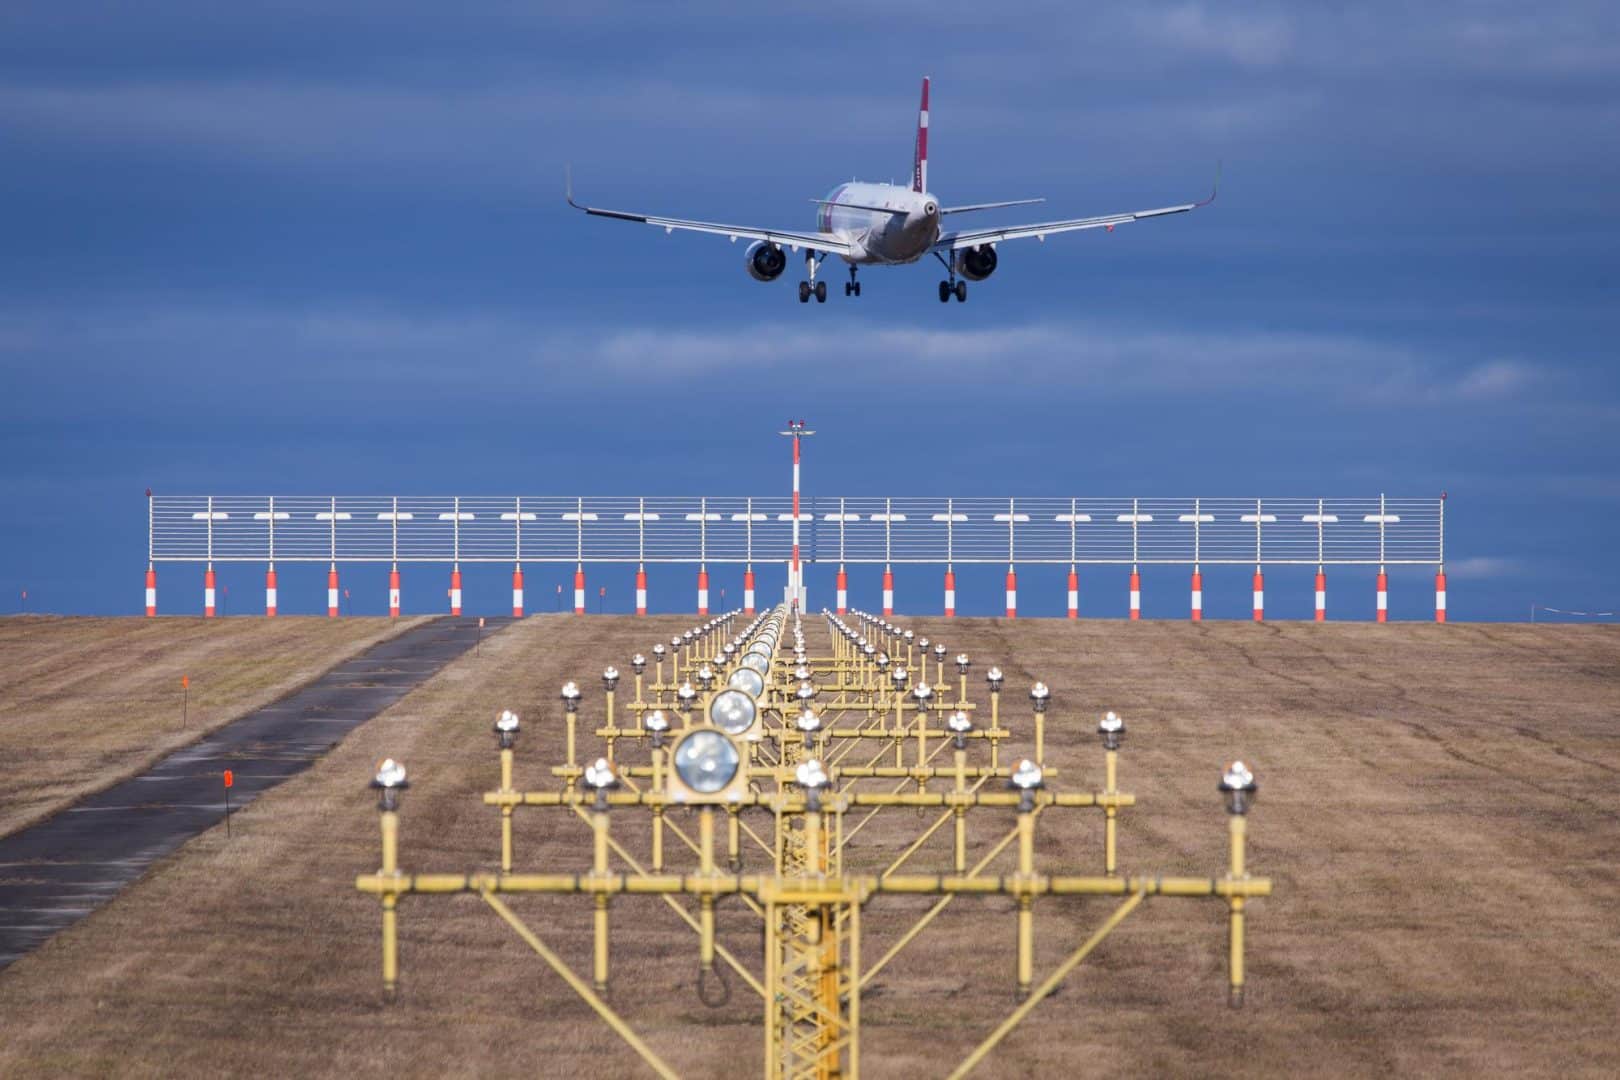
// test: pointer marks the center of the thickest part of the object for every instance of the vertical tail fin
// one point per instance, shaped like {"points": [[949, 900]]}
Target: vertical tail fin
{"points": [[919, 159]]}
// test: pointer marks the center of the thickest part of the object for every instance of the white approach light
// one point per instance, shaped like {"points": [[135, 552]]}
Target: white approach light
{"points": [[506, 727], [748, 681], [732, 711], [1239, 787], [1039, 696], [706, 761], [1112, 730]]}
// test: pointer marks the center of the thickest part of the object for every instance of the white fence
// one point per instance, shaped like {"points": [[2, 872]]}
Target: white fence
{"points": [[1369, 531]]}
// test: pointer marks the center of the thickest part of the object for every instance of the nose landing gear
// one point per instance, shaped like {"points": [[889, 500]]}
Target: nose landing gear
{"points": [[852, 287]]}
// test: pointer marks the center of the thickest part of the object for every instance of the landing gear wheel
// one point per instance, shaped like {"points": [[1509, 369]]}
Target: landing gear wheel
{"points": [[961, 292], [857, 288], [804, 292], [944, 292], [821, 292], [849, 288]]}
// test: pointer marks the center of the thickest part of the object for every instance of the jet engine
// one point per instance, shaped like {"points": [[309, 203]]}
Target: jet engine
{"points": [[766, 261], [976, 263]]}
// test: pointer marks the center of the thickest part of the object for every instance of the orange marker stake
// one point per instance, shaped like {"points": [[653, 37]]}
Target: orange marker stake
{"points": [[479, 650], [229, 780], [185, 694]]}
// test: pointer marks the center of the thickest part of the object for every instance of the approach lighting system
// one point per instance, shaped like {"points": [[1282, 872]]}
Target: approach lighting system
{"points": [[959, 724], [993, 677], [1039, 696]]}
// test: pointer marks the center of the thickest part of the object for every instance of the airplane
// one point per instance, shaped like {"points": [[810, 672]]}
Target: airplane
{"points": [[887, 225]]}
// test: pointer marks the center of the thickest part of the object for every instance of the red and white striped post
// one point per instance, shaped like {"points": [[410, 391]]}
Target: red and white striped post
{"points": [[455, 589], [703, 590], [1074, 593], [1197, 594], [1321, 595], [1383, 595], [1440, 571], [1259, 595], [1136, 594], [393, 592], [270, 592], [517, 591], [641, 590], [1012, 592], [748, 590], [843, 591], [208, 592], [796, 430], [332, 592], [151, 591], [950, 592], [888, 592], [579, 589]]}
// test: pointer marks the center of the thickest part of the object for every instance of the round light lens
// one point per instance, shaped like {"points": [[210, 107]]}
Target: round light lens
{"points": [[732, 711], [747, 680], [706, 761]]}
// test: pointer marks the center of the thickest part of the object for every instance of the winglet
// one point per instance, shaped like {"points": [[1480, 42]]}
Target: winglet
{"points": [[568, 186], [1216, 189]]}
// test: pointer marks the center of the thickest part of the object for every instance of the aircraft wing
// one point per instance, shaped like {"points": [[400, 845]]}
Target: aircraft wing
{"points": [[956, 241], [826, 242]]}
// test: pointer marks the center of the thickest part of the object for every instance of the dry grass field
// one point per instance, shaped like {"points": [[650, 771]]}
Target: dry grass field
{"points": [[86, 702], [1439, 812]]}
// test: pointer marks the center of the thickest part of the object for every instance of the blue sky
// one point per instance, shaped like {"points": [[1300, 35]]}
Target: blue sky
{"points": [[307, 251]]}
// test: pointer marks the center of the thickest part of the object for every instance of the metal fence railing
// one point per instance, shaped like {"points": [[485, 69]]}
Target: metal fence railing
{"points": [[1366, 531]]}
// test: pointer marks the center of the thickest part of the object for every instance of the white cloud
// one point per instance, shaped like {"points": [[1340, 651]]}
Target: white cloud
{"points": [[1476, 567], [1102, 360]]}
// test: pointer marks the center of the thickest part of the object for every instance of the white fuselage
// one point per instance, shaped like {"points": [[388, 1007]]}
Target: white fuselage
{"points": [[882, 223]]}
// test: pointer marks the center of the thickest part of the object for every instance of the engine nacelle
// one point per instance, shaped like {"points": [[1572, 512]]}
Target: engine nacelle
{"points": [[976, 263], [765, 261]]}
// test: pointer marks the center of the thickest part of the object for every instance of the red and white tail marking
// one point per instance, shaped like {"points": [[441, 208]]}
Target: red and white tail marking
{"points": [[919, 160]]}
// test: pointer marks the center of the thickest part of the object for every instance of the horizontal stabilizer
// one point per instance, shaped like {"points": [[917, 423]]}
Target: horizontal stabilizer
{"points": [[857, 206], [989, 206]]}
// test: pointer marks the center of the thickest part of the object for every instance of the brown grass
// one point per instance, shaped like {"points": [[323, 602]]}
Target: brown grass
{"points": [[1438, 810], [85, 703]]}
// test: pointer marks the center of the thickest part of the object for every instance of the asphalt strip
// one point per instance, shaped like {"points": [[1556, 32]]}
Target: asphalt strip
{"points": [[56, 872]]}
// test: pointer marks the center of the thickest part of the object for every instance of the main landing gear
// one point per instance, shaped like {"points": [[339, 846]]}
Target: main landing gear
{"points": [[812, 263], [852, 287], [948, 289]]}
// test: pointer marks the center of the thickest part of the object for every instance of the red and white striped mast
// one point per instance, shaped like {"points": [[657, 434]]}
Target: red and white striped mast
{"points": [[796, 431]]}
